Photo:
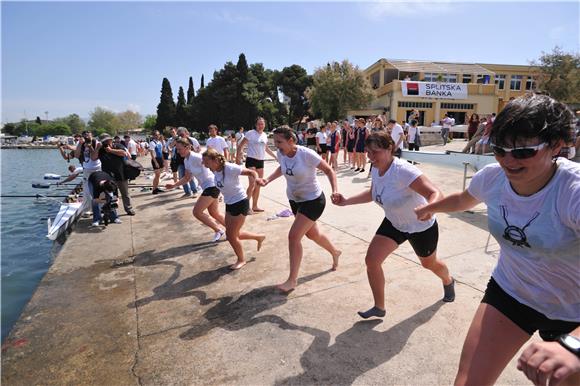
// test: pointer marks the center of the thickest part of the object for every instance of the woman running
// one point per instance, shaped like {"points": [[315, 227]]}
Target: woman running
{"points": [[227, 180], [192, 162], [257, 142], [298, 164], [533, 209], [398, 187], [334, 139]]}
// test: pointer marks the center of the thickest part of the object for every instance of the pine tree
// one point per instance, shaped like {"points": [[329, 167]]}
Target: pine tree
{"points": [[180, 111], [202, 85], [242, 67], [166, 107], [190, 92]]}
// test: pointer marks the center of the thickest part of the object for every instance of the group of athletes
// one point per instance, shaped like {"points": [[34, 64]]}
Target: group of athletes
{"points": [[533, 201]]}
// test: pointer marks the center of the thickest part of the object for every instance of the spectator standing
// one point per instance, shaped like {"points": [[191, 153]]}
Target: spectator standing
{"points": [[447, 123], [131, 146], [156, 152], [217, 142]]}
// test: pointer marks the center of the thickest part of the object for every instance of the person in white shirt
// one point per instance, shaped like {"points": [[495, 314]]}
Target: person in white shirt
{"points": [[298, 165], [398, 188], [193, 166], [321, 139], [398, 136], [217, 142], [413, 134], [227, 180], [447, 123], [257, 143], [131, 147], [88, 155], [533, 211]]}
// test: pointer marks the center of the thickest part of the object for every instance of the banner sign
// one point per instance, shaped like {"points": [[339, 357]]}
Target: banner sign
{"points": [[434, 90]]}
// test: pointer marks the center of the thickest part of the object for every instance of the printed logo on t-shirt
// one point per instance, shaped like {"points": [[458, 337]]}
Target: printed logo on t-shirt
{"points": [[514, 233], [220, 184]]}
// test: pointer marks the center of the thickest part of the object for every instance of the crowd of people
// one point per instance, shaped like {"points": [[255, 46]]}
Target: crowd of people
{"points": [[532, 195]]}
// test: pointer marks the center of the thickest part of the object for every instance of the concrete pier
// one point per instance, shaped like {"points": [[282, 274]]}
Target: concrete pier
{"points": [[178, 315]]}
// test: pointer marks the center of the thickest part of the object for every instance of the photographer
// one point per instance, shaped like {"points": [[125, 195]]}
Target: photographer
{"points": [[112, 157], [104, 191], [88, 156]]}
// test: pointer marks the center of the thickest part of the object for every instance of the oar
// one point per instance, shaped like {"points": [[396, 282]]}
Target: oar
{"points": [[30, 196], [42, 185]]}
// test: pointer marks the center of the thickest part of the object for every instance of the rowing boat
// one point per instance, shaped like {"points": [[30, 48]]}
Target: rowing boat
{"points": [[68, 213], [450, 158]]}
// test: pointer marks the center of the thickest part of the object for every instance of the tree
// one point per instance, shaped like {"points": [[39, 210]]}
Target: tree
{"points": [[103, 119], [559, 75], [180, 111], [293, 82], [73, 121], [202, 84], [128, 120], [150, 122], [336, 88], [166, 107], [190, 92], [38, 120]]}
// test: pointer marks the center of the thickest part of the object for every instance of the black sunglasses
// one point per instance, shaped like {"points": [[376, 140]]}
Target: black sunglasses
{"points": [[518, 152]]}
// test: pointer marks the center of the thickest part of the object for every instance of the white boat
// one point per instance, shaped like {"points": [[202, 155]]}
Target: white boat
{"points": [[67, 214], [51, 176], [450, 158]]}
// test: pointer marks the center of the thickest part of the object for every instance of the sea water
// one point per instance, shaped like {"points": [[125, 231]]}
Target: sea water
{"points": [[26, 253]]}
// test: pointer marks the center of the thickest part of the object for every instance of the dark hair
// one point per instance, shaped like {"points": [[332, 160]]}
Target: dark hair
{"points": [[212, 126], [380, 139], [533, 115], [392, 121], [109, 186], [414, 122], [286, 132]]}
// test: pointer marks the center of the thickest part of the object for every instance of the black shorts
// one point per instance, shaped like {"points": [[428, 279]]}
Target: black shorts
{"points": [[159, 163], [254, 163], [312, 209], [165, 155], [212, 191], [241, 207], [174, 165], [412, 146], [350, 146], [423, 243], [134, 157], [523, 316], [332, 149], [360, 147], [323, 148], [398, 152]]}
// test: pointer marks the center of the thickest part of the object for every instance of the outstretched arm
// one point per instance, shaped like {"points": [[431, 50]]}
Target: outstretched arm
{"points": [[265, 181], [455, 202], [241, 150]]}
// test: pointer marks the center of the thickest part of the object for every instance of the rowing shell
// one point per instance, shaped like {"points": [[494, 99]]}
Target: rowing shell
{"points": [[67, 214], [450, 158]]}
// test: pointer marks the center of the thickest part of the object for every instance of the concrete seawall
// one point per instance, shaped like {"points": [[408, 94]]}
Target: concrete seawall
{"points": [[178, 315]]}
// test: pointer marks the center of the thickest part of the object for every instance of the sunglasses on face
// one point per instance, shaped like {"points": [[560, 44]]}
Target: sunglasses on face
{"points": [[518, 152]]}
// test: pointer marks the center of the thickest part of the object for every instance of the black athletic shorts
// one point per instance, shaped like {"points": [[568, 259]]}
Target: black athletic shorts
{"points": [[133, 157], [174, 165], [165, 155], [423, 243], [159, 163], [241, 207], [254, 163], [525, 317], [350, 146], [332, 149], [360, 147], [312, 209], [212, 191], [323, 149]]}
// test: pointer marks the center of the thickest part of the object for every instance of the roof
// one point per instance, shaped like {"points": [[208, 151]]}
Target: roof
{"points": [[438, 67]]}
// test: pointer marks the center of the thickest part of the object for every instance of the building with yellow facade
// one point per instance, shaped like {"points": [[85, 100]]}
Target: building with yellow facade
{"points": [[437, 88]]}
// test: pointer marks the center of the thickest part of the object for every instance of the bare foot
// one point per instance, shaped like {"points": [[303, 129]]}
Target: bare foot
{"points": [[260, 241], [238, 265], [335, 257], [256, 210], [287, 287]]}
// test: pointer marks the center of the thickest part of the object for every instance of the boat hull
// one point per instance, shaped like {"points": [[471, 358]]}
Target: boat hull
{"points": [[450, 158]]}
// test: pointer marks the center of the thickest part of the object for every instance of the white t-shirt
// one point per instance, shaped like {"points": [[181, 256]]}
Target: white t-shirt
{"points": [[90, 164], [217, 143], [392, 193], [321, 137], [413, 131], [300, 172], [447, 122], [194, 144], [396, 133], [539, 238], [256, 144], [230, 186], [203, 175], [239, 137], [132, 147]]}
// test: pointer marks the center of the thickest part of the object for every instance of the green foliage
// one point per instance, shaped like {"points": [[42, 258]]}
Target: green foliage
{"points": [[73, 121], [101, 118], [559, 75], [202, 84], [10, 129], [293, 82], [336, 88], [190, 92], [180, 111], [150, 122], [166, 107], [128, 120]]}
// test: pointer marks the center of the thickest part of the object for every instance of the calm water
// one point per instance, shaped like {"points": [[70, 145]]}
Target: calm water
{"points": [[25, 251]]}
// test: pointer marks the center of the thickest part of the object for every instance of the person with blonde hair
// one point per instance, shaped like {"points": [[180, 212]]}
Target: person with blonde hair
{"points": [[227, 180]]}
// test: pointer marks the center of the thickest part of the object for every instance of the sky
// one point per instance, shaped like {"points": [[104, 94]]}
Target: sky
{"points": [[60, 58]]}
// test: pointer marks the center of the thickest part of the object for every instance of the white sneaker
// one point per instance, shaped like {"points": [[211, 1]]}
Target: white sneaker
{"points": [[118, 221], [95, 224], [218, 235]]}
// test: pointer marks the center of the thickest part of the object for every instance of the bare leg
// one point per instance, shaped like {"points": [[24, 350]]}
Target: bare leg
{"points": [[233, 226], [214, 212], [203, 203], [251, 185], [379, 249], [492, 340], [319, 238], [438, 267], [256, 192], [301, 225], [156, 178]]}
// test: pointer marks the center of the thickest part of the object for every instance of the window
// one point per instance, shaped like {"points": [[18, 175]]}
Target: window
{"points": [[483, 79], [466, 78], [375, 78], [416, 105], [516, 82], [500, 81], [430, 77], [530, 83], [458, 106], [450, 78]]}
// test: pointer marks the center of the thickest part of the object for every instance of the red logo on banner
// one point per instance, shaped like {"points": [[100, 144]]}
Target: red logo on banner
{"points": [[412, 88]]}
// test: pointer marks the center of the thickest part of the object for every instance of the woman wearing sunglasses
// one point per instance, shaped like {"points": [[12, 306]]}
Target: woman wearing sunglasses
{"points": [[533, 204]]}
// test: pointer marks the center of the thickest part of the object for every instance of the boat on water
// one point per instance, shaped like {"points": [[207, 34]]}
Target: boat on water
{"points": [[69, 211], [450, 158]]}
